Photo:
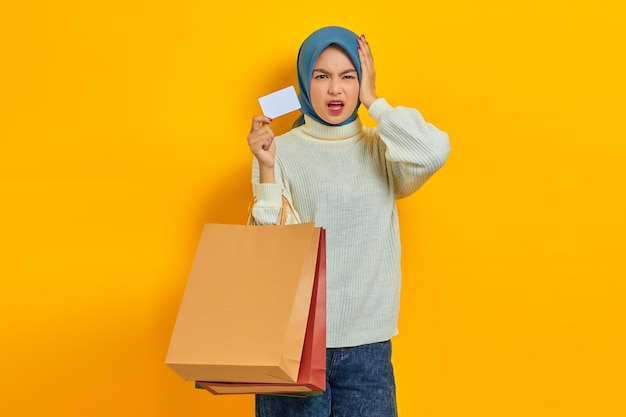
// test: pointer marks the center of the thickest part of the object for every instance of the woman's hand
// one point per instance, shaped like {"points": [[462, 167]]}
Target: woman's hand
{"points": [[261, 143], [367, 93]]}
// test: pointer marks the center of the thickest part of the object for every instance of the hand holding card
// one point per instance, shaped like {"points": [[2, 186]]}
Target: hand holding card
{"points": [[280, 102]]}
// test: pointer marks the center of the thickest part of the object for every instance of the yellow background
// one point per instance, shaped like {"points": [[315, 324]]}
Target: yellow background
{"points": [[122, 131]]}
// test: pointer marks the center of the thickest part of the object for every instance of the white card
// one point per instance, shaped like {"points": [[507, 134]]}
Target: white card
{"points": [[280, 102]]}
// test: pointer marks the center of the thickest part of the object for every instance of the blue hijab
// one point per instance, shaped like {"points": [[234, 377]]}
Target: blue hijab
{"points": [[310, 50]]}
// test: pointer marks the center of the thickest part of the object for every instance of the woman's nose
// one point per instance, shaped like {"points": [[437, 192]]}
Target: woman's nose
{"points": [[334, 88]]}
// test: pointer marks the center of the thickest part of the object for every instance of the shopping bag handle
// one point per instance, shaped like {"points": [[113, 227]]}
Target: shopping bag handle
{"points": [[282, 215]]}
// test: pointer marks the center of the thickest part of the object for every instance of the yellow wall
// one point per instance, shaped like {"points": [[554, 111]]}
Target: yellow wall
{"points": [[122, 131]]}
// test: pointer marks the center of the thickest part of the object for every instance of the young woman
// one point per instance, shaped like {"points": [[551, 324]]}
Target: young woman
{"points": [[346, 178]]}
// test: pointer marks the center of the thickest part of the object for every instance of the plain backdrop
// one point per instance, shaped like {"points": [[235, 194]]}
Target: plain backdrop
{"points": [[122, 131]]}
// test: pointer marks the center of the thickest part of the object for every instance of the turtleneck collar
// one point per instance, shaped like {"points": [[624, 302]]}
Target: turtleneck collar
{"points": [[331, 133]]}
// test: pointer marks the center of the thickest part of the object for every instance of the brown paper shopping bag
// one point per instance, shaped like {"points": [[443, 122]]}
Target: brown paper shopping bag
{"points": [[312, 373], [245, 307]]}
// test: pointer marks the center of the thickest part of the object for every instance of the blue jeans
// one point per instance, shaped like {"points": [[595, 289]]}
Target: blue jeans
{"points": [[359, 383]]}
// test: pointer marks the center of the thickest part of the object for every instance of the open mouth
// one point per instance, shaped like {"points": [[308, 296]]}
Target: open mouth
{"points": [[335, 106]]}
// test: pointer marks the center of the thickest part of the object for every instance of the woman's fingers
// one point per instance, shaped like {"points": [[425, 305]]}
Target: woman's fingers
{"points": [[365, 53], [368, 73], [260, 140], [259, 121], [261, 135]]}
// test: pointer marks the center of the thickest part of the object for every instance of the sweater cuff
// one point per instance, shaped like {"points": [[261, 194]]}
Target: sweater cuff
{"points": [[268, 194], [379, 107]]}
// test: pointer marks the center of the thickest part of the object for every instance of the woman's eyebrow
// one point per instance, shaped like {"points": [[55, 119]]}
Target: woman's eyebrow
{"points": [[323, 71]]}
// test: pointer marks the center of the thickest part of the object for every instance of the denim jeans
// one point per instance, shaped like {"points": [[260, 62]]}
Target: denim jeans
{"points": [[359, 383]]}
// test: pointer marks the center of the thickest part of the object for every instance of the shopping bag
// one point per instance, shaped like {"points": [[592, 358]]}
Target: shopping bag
{"points": [[312, 373], [244, 312]]}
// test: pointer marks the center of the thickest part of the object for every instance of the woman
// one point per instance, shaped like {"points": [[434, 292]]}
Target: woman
{"points": [[346, 178]]}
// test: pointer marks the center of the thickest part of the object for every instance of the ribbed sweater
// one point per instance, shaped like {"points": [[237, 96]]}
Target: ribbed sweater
{"points": [[347, 179]]}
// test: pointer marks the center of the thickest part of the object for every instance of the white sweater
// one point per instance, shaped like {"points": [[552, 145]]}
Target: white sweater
{"points": [[346, 179]]}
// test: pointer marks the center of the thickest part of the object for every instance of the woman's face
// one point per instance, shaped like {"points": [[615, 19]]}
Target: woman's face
{"points": [[334, 86]]}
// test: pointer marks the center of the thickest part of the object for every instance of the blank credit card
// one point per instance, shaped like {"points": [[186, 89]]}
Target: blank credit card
{"points": [[280, 102]]}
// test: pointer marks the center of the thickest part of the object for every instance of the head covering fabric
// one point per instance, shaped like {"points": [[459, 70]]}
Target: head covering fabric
{"points": [[309, 51]]}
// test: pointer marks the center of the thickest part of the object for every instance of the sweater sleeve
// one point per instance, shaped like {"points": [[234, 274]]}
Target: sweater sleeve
{"points": [[414, 148], [268, 200]]}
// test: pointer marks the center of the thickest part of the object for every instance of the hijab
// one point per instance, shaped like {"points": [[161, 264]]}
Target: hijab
{"points": [[309, 51]]}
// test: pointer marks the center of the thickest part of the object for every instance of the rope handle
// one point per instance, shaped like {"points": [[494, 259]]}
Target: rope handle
{"points": [[282, 214]]}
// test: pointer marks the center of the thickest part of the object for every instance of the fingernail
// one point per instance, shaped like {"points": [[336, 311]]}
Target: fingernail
{"points": [[271, 120]]}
